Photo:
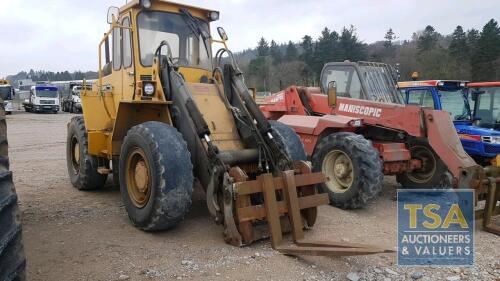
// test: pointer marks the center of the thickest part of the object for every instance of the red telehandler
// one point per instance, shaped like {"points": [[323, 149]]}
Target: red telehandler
{"points": [[357, 128]]}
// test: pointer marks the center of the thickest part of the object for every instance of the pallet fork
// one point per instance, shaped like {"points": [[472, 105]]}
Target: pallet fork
{"points": [[290, 195]]}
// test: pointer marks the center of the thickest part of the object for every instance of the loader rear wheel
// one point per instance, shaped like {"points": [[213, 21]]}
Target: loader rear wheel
{"points": [[156, 176], [82, 167], [12, 259], [287, 138], [353, 167], [433, 174]]}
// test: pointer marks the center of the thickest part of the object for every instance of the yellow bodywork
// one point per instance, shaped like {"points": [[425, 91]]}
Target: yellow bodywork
{"points": [[116, 104]]}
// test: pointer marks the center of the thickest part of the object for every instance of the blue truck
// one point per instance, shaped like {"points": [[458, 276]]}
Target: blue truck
{"points": [[474, 109]]}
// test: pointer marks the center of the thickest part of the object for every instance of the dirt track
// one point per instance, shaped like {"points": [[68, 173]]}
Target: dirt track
{"points": [[72, 235]]}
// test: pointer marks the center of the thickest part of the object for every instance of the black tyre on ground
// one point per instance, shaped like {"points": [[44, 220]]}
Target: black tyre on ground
{"points": [[288, 139], [82, 167], [433, 174], [12, 258], [353, 166], [156, 176]]}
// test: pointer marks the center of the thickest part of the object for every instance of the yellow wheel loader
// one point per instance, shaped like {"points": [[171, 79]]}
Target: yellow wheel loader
{"points": [[165, 114]]}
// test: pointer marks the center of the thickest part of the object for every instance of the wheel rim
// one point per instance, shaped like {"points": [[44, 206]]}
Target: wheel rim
{"points": [[138, 177], [429, 164], [75, 155], [338, 167]]}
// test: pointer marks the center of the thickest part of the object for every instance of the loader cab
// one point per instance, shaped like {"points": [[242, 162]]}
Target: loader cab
{"points": [[137, 29], [362, 81]]}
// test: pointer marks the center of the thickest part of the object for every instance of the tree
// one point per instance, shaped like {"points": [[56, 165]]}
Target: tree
{"points": [[389, 37], [291, 53], [349, 46], [428, 40], [275, 53], [262, 48], [488, 51], [458, 45]]}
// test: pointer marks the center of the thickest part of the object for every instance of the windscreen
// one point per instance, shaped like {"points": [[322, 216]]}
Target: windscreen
{"points": [[187, 48], [455, 103], [46, 92], [380, 84]]}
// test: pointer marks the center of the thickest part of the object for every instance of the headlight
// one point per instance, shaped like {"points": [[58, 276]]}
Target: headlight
{"points": [[491, 139], [149, 89]]}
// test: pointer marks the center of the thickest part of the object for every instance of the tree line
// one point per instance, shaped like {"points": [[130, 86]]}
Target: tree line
{"points": [[471, 54], [49, 76]]}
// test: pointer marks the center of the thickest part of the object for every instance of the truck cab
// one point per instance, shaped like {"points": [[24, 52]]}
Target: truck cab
{"points": [[42, 98], [454, 97], [7, 94]]}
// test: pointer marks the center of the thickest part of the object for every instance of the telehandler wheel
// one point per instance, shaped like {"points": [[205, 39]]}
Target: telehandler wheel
{"points": [[156, 176], [434, 173], [353, 167], [287, 138], [82, 167], [12, 259]]}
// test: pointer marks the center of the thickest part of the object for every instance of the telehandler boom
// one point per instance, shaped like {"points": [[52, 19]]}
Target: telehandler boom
{"points": [[164, 114]]}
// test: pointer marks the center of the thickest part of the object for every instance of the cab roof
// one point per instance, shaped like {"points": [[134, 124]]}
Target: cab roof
{"points": [[428, 83], [134, 3], [483, 84]]}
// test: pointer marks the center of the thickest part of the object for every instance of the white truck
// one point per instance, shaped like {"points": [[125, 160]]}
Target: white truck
{"points": [[6, 95], [43, 98]]}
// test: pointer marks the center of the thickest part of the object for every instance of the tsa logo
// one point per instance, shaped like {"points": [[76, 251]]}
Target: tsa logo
{"points": [[435, 227]]}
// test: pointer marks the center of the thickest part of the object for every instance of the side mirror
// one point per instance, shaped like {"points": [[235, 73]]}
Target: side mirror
{"points": [[332, 93], [222, 33], [113, 13]]}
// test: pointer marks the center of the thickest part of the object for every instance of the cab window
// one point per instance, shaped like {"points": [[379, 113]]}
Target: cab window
{"points": [[127, 44], [117, 49], [348, 82], [421, 97]]}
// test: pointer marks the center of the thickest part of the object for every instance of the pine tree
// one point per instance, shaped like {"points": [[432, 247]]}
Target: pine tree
{"points": [[389, 37], [275, 53], [262, 48], [291, 53], [458, 45], [488, 50], [350, 48], [428, 40]]}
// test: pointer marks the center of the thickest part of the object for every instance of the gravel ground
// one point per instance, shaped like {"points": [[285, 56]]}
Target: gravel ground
{"points": [[72, 235]]}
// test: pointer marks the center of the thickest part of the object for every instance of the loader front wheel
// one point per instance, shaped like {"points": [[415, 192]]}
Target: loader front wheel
{"points": [[433, 173], [353, 167], [156, 176], [82, 167]]}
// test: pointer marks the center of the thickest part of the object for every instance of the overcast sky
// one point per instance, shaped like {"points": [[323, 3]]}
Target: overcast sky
{"points": [[61, 35]]}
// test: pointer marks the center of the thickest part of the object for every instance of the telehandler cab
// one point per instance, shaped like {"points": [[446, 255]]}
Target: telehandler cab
{"points": [[166, 115]]}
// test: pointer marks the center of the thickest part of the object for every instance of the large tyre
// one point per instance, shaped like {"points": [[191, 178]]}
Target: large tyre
{"points": [[116, 171], [82, 167], [353, 166], [434, 173], [288, 139], [12, 259], [156, 176]]}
